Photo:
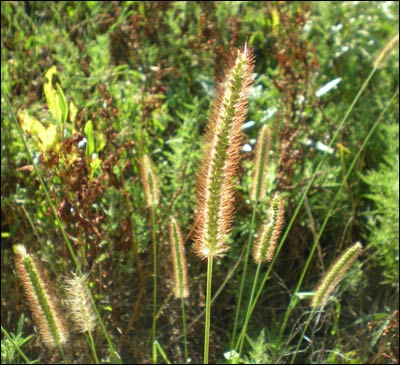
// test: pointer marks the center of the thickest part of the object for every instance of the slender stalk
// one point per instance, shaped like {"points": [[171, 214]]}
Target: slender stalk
{"points": [[220, 167], [328, 283], [16, 346], [181, 289], [208, 309], [153, 237], [150, 184], [184, 329], [243, 277], [248, 312]]}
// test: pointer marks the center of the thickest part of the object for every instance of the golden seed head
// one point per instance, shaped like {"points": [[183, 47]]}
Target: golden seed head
{"points": [[215, 189]]}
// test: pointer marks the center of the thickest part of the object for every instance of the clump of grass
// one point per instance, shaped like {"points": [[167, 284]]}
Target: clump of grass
{"points": [[44, 310], [150, 184]]}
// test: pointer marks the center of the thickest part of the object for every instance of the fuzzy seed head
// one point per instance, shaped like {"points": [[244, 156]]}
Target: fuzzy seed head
{"points": [[44, 309], [149, 181], [80, 305], [215, 189], [270, 231], [386, 51], [259, 183], [335, 274], [181, 288]]}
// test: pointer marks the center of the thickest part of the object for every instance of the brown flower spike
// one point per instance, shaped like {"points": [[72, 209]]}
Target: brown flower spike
{"points": [[44, 309], [215, 211]]}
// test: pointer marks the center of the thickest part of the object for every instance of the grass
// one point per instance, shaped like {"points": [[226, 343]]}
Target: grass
{"points": [[134, 82]]}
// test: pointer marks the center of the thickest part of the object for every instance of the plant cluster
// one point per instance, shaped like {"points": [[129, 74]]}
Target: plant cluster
{"points": [[133, 234]]}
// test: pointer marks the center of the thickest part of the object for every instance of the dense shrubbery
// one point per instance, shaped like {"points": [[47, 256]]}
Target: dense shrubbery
{"points": [[138, 79]]}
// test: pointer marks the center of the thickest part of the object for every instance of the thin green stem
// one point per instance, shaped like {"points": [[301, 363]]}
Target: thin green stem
{"points": [[153, 237], [184, 326], [93, 348], [248, 312], [243, 278], [208, 308], [16, 346]]}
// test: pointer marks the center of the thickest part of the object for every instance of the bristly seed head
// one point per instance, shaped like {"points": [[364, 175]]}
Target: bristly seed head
{"points": [[181, 288], [259, 181], [270, 231], [220, 165], [79, 300], [44, 310], [149, 181], [335, 274]]}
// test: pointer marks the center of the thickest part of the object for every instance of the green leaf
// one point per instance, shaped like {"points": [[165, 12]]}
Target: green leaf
{"points": [[62, 104], [47, 137], [88, 130], [55, 97], [100, 142]]}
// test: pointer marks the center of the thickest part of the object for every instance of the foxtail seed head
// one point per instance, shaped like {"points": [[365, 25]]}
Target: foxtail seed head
{"points": [[149, 181], [334, 275], [181, 288], [215, 190], [259, 183], [44, 310], [270, 231], [79, 300], [386, 51]]}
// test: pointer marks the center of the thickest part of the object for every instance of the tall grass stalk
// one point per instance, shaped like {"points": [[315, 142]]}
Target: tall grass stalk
{"points": [[181, 290], [220, 166], [149, 181], [263, 250], [328, 283], [115, 356], [257, 193], [243, 279]]}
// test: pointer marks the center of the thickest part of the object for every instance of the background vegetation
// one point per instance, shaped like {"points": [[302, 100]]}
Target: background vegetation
{"points": [[144, 74]]}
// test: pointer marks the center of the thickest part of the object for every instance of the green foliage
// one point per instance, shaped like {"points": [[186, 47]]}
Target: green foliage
{"points": [[9, 348], [383, 221]]}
